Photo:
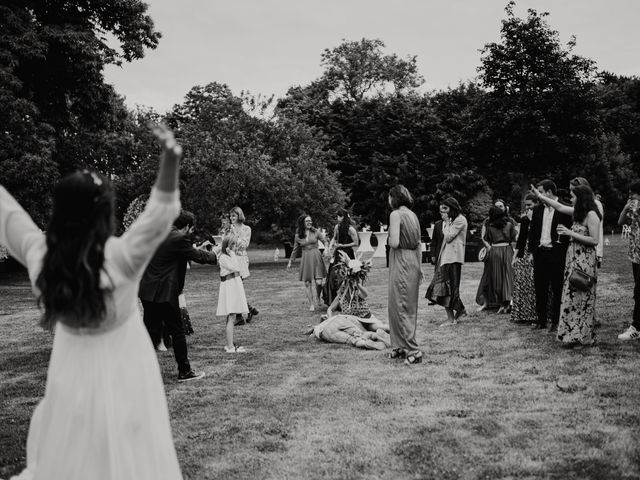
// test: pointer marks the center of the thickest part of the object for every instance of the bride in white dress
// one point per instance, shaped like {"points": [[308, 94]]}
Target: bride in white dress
{"points": [[104, 414]]}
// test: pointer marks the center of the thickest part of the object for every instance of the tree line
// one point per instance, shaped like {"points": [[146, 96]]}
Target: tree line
{"points": [[535, 110]]}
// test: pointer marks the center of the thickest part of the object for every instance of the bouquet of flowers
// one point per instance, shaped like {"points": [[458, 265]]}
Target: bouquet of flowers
{"points": [[4, 253], [353, 271], [353, 274]]}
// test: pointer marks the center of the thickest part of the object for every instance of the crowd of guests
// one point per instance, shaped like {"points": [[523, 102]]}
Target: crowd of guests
{"points": [[104, 402]]}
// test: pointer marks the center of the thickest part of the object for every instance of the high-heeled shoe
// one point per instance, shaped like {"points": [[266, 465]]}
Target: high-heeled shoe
{"points": [[413, 358]]}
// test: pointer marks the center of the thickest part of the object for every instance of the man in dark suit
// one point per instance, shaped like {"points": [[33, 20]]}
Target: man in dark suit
{"points": [[161, 285], [549, 252]]}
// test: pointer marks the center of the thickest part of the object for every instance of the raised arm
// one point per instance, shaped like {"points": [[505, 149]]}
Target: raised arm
{"points": [[150, 229], [23, 239], [625, 213], [453, 229], [552, 203]]}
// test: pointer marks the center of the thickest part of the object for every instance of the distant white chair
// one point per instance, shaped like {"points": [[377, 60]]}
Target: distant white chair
{"points": [[626, 230]]}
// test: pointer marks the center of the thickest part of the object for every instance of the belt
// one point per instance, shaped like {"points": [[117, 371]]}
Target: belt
{"points": [[546, 247], [504, 244], [229, 277]]}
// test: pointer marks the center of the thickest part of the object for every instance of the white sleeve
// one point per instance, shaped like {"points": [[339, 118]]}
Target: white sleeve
{"points": [[23, 239], [148, 231]]}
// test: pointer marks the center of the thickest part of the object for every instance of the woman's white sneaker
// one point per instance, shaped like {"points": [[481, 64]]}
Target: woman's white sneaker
{"points": [[630, 334]]}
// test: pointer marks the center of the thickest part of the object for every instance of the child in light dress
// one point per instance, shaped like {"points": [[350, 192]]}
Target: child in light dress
{"points": [[231, 299]]}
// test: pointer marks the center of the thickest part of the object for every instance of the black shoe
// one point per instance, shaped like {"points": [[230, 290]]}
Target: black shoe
{"points": [[253, 311], [190, 375], [240, 320]]}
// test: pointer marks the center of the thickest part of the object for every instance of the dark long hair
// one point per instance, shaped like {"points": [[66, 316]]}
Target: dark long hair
{"points": [[301, 229], [497, 217], [585, 202], [82, 221], [344, 225]]}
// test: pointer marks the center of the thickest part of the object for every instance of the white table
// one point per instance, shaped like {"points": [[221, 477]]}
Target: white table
{"points": [[382, 242], [365, 242]]}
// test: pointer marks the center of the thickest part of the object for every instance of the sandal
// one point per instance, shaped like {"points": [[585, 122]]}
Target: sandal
{"points": [[413, 358], [397, 353]]}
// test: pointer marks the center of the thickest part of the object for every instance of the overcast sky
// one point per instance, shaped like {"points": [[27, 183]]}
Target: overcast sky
{"points": [[266, 46]]}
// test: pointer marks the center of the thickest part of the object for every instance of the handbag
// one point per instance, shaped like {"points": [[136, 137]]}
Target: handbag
{"points": [[579, 279], [482, 254]]}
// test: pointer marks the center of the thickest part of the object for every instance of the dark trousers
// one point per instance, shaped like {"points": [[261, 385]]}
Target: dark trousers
{"points": [[548, 271], [158, 314], [636, 295]]}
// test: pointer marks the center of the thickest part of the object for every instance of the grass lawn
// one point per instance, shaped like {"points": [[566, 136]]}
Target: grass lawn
{"points": [[491, 400]]}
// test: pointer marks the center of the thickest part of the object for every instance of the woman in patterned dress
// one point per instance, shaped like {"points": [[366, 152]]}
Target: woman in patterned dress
{"points": [[578, 310], [312, 267], [242, 234], [523, 309]]}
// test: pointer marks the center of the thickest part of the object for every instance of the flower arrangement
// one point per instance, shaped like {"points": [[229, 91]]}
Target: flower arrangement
{"points": [[4, 253], [134, 210], [353, 271]]}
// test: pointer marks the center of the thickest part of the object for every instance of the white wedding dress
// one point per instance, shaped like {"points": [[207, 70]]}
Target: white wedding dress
{"points": [[104, 414]]}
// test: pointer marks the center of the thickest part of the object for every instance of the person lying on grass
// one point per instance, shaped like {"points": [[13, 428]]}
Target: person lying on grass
{"points": [[369, 333]]}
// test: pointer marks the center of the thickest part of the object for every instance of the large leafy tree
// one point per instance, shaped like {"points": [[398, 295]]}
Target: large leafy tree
{"points": [[274, 168], [355, 69], [57, 112], [540, 114]]}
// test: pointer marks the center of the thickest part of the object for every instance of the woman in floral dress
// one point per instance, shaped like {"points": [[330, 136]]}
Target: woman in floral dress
{"points": [[578, 309], [523, 309]]}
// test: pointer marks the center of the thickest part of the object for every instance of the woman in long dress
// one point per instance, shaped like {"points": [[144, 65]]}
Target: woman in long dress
{"points": [[405, 275], [242, 233], [444, 289], [496, 284], [104, 413], [312, 269], [523, 308], [578, 308]]}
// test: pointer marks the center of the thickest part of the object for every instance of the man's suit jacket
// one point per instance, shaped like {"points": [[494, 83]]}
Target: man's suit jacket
{"points": [[535, 228], [163, 280]]}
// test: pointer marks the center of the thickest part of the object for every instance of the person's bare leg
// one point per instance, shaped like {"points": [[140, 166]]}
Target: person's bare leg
{"points": [[230, 322]]}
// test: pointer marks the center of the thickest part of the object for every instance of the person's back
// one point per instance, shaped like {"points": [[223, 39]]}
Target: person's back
{"points": [[104, 413]]}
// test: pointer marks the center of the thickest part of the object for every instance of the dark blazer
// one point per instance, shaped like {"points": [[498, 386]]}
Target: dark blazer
{"points": [[535, 228], [436, 240], [163, 280], [521, 243]]}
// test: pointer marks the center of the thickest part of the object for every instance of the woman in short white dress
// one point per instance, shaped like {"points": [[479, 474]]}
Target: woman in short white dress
{"points": [[242, 232], [104, 413]]}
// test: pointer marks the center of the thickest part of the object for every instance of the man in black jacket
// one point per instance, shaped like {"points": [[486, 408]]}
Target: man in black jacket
{"points": [[162, 283], [549, 252]]}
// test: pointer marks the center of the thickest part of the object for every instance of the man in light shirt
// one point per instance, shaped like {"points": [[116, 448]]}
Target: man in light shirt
{"points": [[549, 251]]}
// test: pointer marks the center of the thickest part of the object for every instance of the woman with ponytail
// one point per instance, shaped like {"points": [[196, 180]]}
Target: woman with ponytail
{"points": [[104, 413]]}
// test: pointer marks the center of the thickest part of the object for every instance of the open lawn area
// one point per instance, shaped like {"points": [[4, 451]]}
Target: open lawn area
{"points": [[491, 400]]}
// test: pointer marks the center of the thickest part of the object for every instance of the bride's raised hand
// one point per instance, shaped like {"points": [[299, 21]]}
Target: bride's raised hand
{"points": [[166, 139]]}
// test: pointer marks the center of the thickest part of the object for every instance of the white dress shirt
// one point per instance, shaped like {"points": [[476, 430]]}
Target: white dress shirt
{"points": [[547, 220]]}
